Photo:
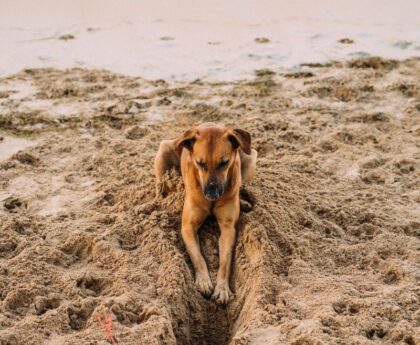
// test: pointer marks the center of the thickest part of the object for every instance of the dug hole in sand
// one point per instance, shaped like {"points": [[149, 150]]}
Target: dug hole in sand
{"points": [[327, 248]]}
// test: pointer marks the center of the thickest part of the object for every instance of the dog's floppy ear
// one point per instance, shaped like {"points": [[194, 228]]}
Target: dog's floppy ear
{"points": [[240, 138], [186, 140]]}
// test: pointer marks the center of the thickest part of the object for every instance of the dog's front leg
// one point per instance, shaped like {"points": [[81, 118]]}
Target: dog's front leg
{"points": [[227, 218], [192, 218]]}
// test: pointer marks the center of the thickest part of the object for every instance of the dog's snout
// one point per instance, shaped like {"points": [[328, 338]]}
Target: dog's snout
{"points": [[213, 190]]}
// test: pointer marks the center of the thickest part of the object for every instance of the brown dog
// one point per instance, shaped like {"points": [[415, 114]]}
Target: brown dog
{"points": [[214, 161]]}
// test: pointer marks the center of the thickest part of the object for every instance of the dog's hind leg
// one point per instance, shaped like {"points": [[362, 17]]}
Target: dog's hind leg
{"points": [[166, 158], [248, 165]]}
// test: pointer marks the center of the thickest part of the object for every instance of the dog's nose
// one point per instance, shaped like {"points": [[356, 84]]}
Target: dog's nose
{"points": [[212, 186], [212, 191]]}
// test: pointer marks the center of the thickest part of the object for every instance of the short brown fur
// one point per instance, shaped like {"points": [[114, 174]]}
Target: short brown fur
{"points": [[214, 161]]}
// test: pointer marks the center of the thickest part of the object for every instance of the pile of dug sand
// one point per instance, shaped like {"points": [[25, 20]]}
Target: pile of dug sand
{"points": [[327, 249]]}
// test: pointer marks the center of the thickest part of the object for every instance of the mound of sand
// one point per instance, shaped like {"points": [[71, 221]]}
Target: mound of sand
{"points": [[327, 248]]}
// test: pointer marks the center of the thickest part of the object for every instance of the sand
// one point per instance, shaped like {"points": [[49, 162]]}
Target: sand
{"points": [[328, 242], [216, 40]]}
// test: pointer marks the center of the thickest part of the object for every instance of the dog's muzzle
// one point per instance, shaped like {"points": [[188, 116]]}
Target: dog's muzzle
{"points": [[213, 191]]}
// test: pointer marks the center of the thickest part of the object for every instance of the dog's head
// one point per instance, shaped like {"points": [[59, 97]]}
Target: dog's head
{"points": [[214, 150]]}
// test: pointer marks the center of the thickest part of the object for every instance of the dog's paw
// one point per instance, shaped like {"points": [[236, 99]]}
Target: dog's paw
{"points": [[204, 284], [222, 294]]}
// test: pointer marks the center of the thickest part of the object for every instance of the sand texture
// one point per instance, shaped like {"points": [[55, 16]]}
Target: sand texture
{"points": [[328, 242]]}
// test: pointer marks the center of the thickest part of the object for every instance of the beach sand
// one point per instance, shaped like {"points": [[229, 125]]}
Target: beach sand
{"points": [[213, 40], [327, 249]]}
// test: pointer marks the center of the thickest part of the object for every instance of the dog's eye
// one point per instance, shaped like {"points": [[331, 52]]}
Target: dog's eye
{"points": [[202, 165], [223, 164]]}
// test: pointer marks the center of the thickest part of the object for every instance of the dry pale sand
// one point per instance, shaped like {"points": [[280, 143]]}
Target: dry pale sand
{"points": [[190, 39], [328, 242]]}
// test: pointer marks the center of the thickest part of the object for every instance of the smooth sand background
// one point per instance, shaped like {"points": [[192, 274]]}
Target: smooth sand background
{"points": [[206, 39]]}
